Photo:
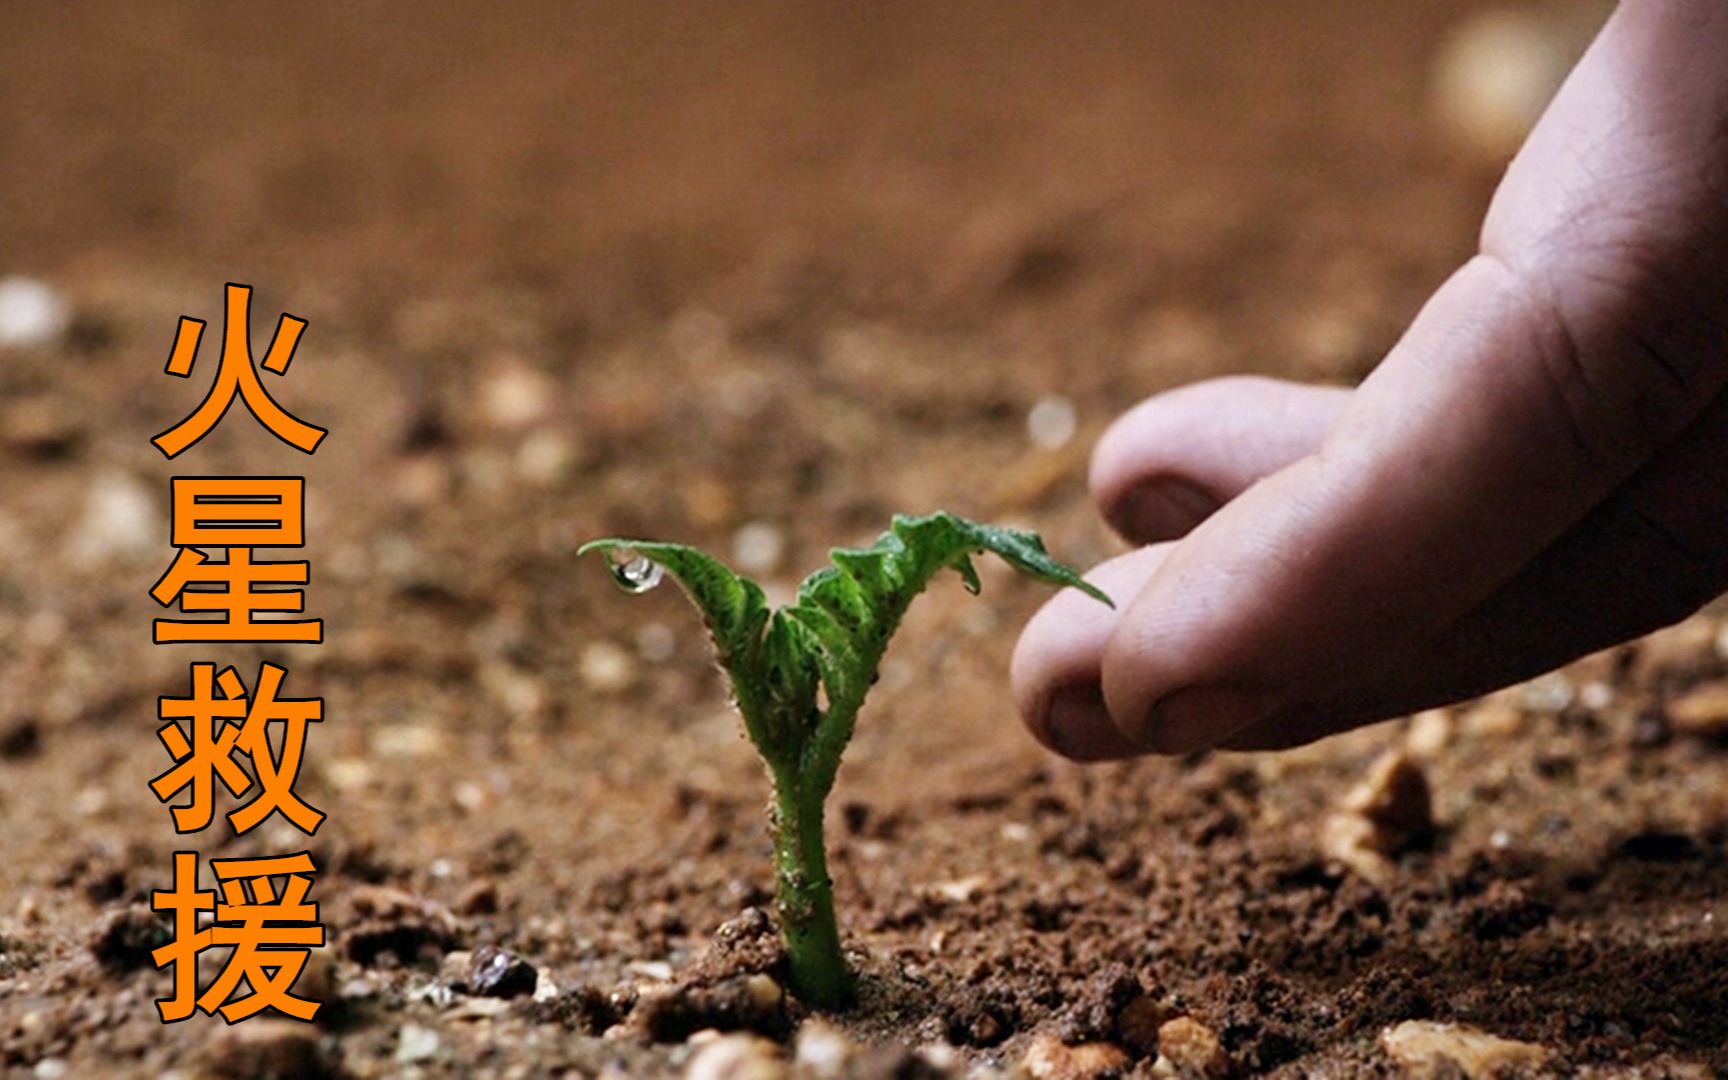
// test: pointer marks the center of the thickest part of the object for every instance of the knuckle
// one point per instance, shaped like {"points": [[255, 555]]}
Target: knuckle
{"points": [[1624, 379]]}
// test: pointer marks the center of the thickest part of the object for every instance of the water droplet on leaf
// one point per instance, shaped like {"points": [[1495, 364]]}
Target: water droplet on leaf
{"points": [[634, 573]]}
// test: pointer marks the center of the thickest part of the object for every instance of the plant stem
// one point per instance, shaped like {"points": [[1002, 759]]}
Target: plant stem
{"points": [[805, 897]]}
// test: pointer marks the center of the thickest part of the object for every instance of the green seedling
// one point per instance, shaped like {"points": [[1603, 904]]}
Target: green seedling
{"points": [[799, 675]]}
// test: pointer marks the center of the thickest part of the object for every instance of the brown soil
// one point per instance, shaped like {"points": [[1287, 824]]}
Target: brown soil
{"points": [[672, 272]]}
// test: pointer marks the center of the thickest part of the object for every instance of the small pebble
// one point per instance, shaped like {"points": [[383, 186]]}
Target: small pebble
{"points": [[546, 457], [1433, 1049], [127, 937], [1192, 1048], [1430, 733], [120, 518], [1051, 423], [1596, 695], [1387, 813], [415, 1044], [408, 741], [607, 668], [1495, 718], [822, 1049], [764, 991], [1495, 74], [1702, 711], [736, 1057], [1049, 1058], [498, 973], [348, 774], [758, 547], [516, 397], [1551, 693], [961, 891], [658, 970], [32, 313]]}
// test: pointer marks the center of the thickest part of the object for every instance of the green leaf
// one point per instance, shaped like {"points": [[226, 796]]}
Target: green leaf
{"points": [[854, 607], [833, 635]]}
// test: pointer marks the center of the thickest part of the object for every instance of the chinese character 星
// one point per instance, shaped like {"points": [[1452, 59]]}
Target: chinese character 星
{"points": [[239, 513]]}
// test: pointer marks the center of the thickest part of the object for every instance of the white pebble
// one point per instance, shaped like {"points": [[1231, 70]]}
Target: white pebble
{"points": [[757, 547], [545, 457], [1596, 695], [735, 1057], [607, 668], [32, 313], [469, 796], [658, 970], [1548, 694], [90, 801], [408, 741], [822, 1049], [1052, 422], [516, 397], [1495, 75], [348, 773], [1500, 840], [119, 518], [416, 1044]]}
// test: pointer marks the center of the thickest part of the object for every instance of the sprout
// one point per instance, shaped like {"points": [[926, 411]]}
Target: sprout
{"points": [[799, 675]]}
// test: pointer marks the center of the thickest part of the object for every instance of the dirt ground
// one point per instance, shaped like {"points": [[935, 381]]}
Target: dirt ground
{"points": [[768, 273]]}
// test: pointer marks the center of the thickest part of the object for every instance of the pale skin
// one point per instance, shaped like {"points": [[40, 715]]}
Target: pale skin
{"points": [[1537, 470]]}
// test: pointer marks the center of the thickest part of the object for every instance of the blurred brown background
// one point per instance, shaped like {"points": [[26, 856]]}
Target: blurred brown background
{"points": [[752, 275]]}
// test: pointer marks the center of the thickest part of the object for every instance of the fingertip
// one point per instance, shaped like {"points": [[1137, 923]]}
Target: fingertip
{"points": [[1075, 723], [1062, 647], [1157, 508]]}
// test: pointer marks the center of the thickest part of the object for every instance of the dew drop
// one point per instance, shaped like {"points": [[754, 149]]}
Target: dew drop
{"points": [[634, 573]]}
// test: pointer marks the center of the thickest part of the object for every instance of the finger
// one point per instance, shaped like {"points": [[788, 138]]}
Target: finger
{"points": [[1652, 554], [1537, 380], [1169, 462], [1056, 666]]}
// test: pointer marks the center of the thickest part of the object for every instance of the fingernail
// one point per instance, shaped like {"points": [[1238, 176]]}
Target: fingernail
{"points": [[1202, 717], [1164, 508], [1077, 725]]}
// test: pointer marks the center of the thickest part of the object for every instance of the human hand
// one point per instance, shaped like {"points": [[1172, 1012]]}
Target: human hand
{"points": [[1538, 469]]}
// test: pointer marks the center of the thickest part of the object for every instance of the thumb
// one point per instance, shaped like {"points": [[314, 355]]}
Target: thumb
{"points": [[1591, 332]]}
